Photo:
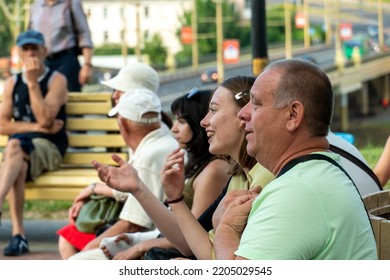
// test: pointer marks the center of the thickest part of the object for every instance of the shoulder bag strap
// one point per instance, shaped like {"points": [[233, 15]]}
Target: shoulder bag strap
{"points": [[357, 162]]}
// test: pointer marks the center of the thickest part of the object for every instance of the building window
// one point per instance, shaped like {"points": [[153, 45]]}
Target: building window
{"points": [[105, 37], [146, 11]]}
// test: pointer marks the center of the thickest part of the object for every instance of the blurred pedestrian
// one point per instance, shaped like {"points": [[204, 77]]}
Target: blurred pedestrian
{"points": [[32, 114], [67, 35]]}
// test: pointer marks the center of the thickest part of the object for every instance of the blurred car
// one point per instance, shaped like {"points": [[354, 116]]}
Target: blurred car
{"points": [[209, 76]]}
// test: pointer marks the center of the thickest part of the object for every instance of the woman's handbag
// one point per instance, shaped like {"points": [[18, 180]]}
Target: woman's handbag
{"points": [[97, 212]]}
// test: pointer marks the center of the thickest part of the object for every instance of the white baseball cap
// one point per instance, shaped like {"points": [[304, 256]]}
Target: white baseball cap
{"points": [[133, 76], [134, 104]]}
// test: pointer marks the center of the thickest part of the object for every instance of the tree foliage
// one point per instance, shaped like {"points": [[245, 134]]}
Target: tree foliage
{"points": [[155, 49], [206, 19], [6, 29]]}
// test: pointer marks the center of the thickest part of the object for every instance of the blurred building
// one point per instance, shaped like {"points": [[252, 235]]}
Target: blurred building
{"points": [[111, 21]]}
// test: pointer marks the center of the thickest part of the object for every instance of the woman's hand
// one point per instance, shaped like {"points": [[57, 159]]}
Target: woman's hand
{"points": [[172, 175], [228, 198]]}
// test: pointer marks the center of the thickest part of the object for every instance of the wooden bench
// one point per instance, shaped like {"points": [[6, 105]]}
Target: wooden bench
{"points": [[92, 135], [378, 207]]}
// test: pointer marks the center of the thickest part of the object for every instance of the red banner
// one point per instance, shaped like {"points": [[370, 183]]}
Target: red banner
{"points": [[186, 35]]}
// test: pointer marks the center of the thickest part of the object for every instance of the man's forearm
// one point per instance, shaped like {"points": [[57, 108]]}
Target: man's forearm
{"points": [[9, 128], [38, 105], [225, 243]]}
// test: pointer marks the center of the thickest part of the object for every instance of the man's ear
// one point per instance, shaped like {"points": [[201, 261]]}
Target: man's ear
{"points": [[122, 122], [296, 114]]}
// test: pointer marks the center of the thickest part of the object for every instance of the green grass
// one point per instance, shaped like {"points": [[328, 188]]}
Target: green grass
{"points": [[43, 209]]}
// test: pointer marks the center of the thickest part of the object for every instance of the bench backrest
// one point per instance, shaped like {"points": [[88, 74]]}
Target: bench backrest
{"points": [[378, 207], [92, 134]]}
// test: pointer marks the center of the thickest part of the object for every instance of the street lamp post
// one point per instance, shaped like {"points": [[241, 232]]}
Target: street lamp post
{"points": [[380, 25], [194, 25], [138, 30], [259, 37], [124, 33], [306, 29], [339, 58], [328, 27], [219, 23], [287, 24]]}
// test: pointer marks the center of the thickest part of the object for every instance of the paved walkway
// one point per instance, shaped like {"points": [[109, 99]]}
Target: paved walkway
{"points": [[42, 238]]}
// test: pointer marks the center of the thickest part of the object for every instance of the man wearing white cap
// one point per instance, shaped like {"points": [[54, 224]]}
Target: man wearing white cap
{"points": [[133, 76], [139, 119]]}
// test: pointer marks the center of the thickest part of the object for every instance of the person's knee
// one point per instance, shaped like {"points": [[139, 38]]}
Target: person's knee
{"points": [[13, 149]]}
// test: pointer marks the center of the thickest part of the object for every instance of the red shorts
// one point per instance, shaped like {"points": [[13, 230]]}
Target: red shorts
{"points": [[77, 238]]}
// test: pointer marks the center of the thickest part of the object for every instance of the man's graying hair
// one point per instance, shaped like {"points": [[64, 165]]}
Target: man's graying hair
{"points": [[305, 82]]}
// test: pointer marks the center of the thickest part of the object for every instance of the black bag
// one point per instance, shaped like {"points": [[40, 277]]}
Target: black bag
{"points": [[157, 253]]}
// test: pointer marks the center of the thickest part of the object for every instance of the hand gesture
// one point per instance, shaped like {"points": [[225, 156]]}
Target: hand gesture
{"points": [[172, 174], [236, 214], [33, 67], [228, 198], [123, 178]]}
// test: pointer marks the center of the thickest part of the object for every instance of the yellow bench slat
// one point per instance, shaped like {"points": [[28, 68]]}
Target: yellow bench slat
{"points": [[95, 140], [109, 124], [3, 140], [98, 108], [52, 194], [90, 96], [76, 158]]}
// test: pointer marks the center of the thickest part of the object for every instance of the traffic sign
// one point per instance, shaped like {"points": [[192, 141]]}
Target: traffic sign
{"points": [[231, 51], [346, 31], [300, 20]]}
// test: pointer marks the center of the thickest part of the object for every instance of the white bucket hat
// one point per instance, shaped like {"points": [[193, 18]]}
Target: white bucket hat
{"points": [[134, 76], [134, 104]]}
